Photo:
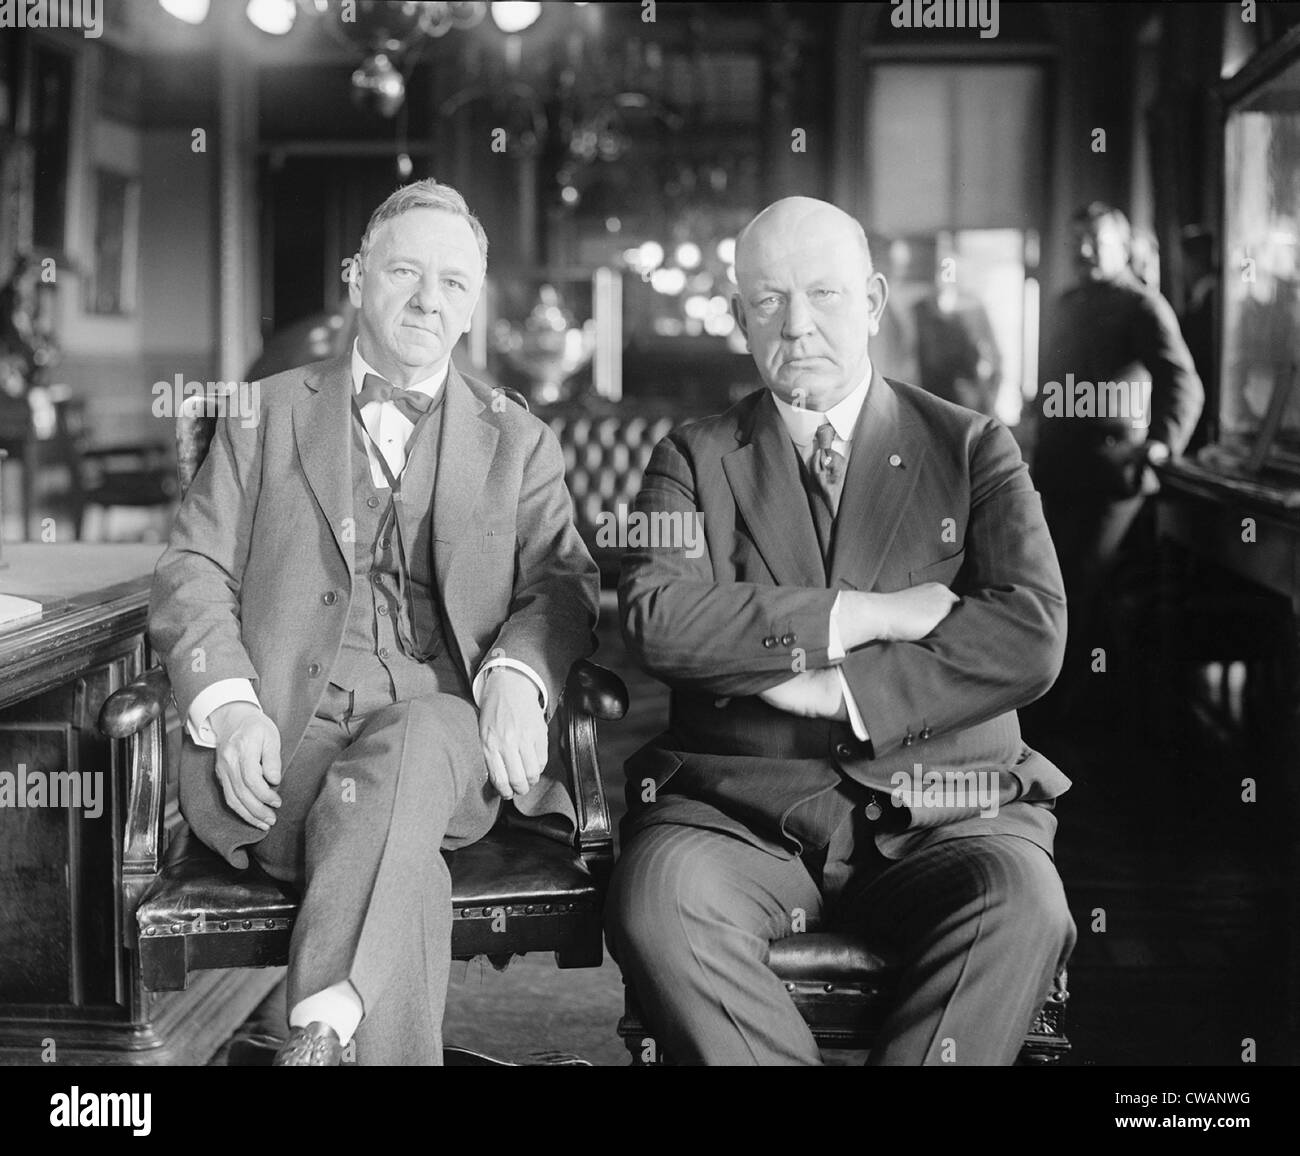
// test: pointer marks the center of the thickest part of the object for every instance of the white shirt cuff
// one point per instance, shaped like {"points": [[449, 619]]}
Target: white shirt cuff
{"points": [[855, 718], [209, 698], [514, 664], [834, 646]]}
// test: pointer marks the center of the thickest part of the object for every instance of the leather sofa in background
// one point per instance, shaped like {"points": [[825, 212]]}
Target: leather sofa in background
{"points": [[607, 446]]}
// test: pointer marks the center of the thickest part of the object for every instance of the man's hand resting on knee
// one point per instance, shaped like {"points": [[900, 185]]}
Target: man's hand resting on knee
{"points": [[248, 761], [513, 730]]}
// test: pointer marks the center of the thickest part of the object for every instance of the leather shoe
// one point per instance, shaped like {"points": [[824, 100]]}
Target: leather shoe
{"points": [[315, 1046]]}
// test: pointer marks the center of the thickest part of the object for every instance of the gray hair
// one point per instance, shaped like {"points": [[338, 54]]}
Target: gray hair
{"points": [[425, 194]]}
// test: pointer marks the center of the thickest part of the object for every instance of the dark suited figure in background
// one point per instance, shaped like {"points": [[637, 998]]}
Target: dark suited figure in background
{"points": [[1094, 452], [1199, 311], [876, 591], [368, 609], [957, 351], [1200, 314]]}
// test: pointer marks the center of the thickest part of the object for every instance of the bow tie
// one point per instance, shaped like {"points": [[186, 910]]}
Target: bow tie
{"points": [[410, 402]]}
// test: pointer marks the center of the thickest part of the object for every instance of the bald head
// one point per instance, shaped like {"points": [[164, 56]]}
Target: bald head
{"points": [[808, 299], [798, 221]]}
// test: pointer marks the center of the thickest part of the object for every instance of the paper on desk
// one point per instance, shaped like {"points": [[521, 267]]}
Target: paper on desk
{"points": [[14, 610]]}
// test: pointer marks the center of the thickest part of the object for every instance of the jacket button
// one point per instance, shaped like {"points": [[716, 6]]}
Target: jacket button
{"points": [[329, 597], [845, 750], [383, 652], [314, 669], [908, 739], [769, 641], [382, 608], [926, 732], [787, 639]]}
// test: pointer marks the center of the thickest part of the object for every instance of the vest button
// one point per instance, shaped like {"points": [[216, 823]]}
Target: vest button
{"points": [[845, 750], [329, 597], [383, 609], [314, 669], [383, 543], [372, 502], [383, 652]]}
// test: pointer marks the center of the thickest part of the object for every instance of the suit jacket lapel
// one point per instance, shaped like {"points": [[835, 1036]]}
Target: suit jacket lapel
{"points": [[764, 478], [875, 492], [322, 430], [465, 454]]}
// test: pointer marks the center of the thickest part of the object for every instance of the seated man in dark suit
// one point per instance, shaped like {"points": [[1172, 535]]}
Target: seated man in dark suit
{"points": [[877, 596], [368, 609]]}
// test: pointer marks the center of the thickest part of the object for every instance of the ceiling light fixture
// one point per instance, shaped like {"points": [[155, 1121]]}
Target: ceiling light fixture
{"points": [[515, 15], [190, 11], [274, 17]]}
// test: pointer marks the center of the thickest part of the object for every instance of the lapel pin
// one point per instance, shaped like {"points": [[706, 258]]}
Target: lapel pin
{"points": [[895, 460]]}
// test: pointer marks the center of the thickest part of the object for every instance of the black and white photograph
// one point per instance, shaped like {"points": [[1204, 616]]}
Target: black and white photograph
{"points": [[677, 535]]}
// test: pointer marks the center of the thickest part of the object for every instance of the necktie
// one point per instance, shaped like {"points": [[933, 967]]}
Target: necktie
{"points": [[411, 403], [828, 467]]}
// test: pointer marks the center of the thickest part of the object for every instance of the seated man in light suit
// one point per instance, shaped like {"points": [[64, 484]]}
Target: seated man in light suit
{"points": [[368, 608], [877, 595]]}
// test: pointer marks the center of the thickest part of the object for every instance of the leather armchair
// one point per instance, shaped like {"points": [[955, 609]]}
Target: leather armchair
{"points": [[192, 910]]}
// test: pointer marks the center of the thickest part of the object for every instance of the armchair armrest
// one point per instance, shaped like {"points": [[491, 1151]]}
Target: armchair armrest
{"points": [[599, 692], [592, 692], [132, 707], [135, 712]]}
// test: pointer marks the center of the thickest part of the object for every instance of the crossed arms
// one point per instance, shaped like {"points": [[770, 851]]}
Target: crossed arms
{"points": [[924, 656]]}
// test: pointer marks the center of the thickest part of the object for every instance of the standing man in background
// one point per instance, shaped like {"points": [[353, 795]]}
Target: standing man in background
{"points": [[1115, 346]]}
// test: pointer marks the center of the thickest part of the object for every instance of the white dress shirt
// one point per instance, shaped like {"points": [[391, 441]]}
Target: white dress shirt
{"points": [[802, 424], [387, 430]]}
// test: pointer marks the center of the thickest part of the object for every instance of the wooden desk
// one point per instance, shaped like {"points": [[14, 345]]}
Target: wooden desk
{"points": [[69, 988], [1204, 515]]}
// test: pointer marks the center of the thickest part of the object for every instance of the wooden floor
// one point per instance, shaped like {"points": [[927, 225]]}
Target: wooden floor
{"points": [[1184, 895]]}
